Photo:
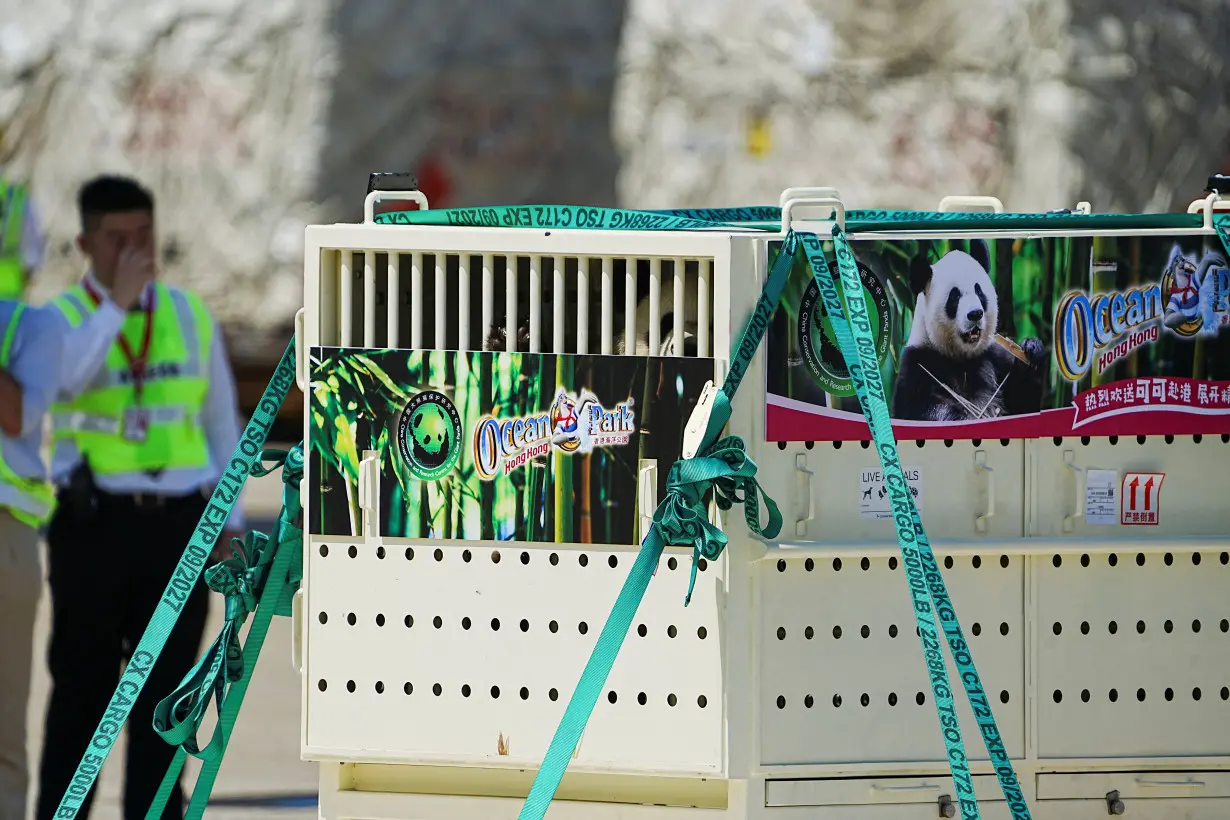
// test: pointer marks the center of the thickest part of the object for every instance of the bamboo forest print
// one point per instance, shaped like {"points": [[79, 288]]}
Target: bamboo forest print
{"points": [[494, 446], [1015, 338]]}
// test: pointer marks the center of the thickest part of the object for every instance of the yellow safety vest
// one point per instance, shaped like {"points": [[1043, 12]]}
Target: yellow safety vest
{"points": [[12, 215], [37, 492], [176, 382]]}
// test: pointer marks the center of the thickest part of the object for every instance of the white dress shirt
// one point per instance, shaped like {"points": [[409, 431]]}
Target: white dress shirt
{"points": [[85, 350], [35, 354]]}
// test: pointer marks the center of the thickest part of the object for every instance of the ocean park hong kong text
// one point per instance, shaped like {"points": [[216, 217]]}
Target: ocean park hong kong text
{"points": [[573, 424]]}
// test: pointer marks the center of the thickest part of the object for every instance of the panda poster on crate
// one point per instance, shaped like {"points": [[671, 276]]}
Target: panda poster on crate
{"points": [[1027, 337], [494, 446]]}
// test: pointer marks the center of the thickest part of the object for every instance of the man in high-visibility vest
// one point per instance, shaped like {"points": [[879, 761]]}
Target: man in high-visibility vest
{"points": [[21, 238], [138, 443], [30, 342]]}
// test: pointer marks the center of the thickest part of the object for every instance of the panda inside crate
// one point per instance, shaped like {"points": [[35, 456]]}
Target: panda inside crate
{"points": [[955, 366], [497, 334]]}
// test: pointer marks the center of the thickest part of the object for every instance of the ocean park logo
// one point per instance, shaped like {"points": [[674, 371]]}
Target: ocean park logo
{"points": [[573, 424], [1192, 298]]}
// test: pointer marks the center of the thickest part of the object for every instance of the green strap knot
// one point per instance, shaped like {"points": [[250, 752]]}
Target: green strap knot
{"points": [[241, 579], [742, 478], [681, 519], [289, 527], [178, 717]]}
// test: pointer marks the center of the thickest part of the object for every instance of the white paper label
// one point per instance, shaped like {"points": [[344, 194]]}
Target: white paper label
{"points": [[875, 500], [1101, 505]]}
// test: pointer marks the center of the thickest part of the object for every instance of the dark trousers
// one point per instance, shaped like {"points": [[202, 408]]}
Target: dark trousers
{"points": [[108, 567]]}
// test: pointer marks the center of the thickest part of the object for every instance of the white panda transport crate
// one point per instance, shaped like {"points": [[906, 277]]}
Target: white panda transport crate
{"points": [[790, 687]]}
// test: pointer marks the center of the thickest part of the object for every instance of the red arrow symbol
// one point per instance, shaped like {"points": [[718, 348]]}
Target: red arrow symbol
{"points": [[1148, 490], [1135, 483]]}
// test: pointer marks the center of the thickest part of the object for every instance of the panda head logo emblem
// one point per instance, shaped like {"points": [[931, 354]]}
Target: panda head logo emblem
{"points": [[955, 309], [429, 435]]}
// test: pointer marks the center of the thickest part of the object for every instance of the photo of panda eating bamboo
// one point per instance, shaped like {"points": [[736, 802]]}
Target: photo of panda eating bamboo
{"points": [[955, 366]]}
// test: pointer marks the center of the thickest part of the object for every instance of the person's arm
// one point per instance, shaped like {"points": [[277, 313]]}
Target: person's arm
{"points": [[87, 346], [33, 240], [28, 386], [220, 417]]}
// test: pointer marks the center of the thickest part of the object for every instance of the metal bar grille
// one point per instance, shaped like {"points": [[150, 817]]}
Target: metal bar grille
{"points": [[640, 305]]}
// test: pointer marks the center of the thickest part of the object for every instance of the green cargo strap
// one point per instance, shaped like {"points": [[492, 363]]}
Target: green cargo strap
{"points": [[245, 581], [1221, 223], [681, 520], [36, 489], [568, 216], [240, 579], [866, 221], [186, 574], [768, 218], [928, 593]]}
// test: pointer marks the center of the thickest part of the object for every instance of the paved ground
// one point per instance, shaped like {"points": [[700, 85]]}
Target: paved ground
{"points": [[262, 760]]}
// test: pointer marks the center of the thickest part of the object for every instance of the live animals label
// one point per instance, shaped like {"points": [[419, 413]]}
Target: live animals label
{"points": [[875, 499]]}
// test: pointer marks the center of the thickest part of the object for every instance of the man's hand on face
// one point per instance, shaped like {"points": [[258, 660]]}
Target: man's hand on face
{"points": [[133, 271]]}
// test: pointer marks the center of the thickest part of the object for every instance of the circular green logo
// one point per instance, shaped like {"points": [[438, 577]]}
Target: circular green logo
{"points": [[818, 341], [429, 435]]}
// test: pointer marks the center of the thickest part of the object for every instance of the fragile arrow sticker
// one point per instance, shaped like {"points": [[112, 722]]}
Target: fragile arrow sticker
{"points": [[1142, 495]]}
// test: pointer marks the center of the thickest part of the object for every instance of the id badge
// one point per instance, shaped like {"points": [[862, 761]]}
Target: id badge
{"points": [[136, 424]]}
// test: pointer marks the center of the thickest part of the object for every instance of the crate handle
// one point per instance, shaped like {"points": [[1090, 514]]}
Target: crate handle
{"points": [[800, 465], [792, 193], [952, 203], [1069, 521], [1186, 782], [369, 201], [301, 377], [980, 463], [1206, 206], [839, 210], [369, 489], [647, 493], [296, 631]]}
